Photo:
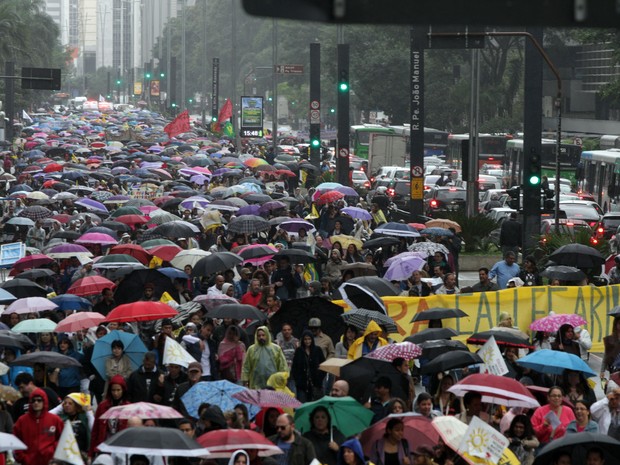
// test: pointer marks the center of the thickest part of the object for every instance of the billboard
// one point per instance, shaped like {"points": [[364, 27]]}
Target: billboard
{"points": [[251, 117]]}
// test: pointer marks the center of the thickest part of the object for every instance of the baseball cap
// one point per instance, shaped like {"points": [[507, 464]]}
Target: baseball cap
{"points": [[314, 323], [194, 366]]}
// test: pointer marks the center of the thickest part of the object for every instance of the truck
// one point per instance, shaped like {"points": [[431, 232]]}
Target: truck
{"points": [[386, 150]]}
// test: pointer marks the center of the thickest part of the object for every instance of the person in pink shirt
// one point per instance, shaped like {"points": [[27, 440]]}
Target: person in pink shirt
{"points": [[550, 421]]}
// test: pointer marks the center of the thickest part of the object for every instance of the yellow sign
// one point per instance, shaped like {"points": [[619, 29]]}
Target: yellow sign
{"points": [[137, 88], [417, 188], [524, 304]]}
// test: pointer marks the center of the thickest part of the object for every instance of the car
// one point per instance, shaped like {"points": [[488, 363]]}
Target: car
{"points": [[444, 199], [378, 187], [568, 227], [500, 214], [360, 182], [399, 192], [583, 210], [608, 225], [487, 195]]}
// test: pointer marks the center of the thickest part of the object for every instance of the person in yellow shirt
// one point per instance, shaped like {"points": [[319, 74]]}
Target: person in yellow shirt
{"points": [[368, 342]]}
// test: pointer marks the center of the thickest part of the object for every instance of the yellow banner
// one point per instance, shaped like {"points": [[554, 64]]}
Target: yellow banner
{"points": [[524, 304]]}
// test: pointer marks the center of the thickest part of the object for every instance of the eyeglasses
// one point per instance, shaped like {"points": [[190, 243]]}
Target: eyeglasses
{"points": [[37, 399]]}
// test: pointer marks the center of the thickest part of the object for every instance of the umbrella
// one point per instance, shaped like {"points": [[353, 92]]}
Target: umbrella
{"points": [[417, 431], [577, 445], [428, 248], [450, 360], [96, 238], [380, 242], [215, 263], [90, 285], [8, 394], [552, 323], [333, 365], [360, 317], [144, 410], [266, 398], [237, 312], [346, 414], [406, 350], [36, 212], [431, 334], [36, 325], [555, 362], [116, 261], [68, 251], [397, 229], [345, 241], [358, 296], [298, 312], [188, 257], [134, 251], [6, 297], [295, 256], [9, 442], [255, 251], [173, 273], [30, 305], [496, 390], [402, 268], [577, 255], [357, 213], [438, 313], [91, 205], [71, 302], [216, 393], [134, 349], [133, 220], [214, 300], [51, 359], [434, 348], [151, 441], [174, 229], [141, 311], [382, 287], [79, 321], [131, 287], [362, 374], [329, 197], [563, 273], [10, 339], [295, 224], [360, 269], [506, 337], [165, 252], [32, 261], [248, 224], [33, 275], [22, 288], [224, 442], [437, 232]]}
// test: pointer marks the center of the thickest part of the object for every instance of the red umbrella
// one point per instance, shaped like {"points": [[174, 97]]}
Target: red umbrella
{"points": [[132, 220], [329, 197], [222, 443], [52, 167], [165, 252], [62, 218], [134, 250], [288, 173], [496, 390], [417, 431], [32, 261], [266, 398], [91, 285], [79, 321], [141, 311]]}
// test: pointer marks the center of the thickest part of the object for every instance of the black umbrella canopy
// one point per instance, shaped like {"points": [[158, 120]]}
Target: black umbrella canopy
{"points": [[503, 337], [358, 296], [10, 339], [434, 348], [578, 445], [438, 313], [449, 361], [577, 255], [156, 441], [295, 256], [51, 359], [382, 287], [360, 318], [431, 334], [563, 273], [22, 288], [173, 230], [237, 312], [35, 274], [298, 312], [615, 311], [215, 263], [131, 288], [363, 373]]}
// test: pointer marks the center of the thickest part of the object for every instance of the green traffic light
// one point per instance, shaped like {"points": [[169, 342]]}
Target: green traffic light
{"points": [[174, 104], [118, 82], [148, 75], [214, 119], [344, 86], [332, 110], [315, 142], [534, 180], [162, 75]]}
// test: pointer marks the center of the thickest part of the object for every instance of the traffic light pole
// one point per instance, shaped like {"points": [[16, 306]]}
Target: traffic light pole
{"points": [[315, 104], [342, 153]]}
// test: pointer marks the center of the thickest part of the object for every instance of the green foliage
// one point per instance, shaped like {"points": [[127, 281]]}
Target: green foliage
{"points": [[553, 241], [475, 230]]}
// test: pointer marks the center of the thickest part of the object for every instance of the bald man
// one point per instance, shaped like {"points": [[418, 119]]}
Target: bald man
{"points": [[340, 389]]}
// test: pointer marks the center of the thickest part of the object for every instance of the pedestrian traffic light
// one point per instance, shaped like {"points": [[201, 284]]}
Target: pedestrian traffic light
{"points": [[533, 174], [343, 81], [515, 198], [332, 110]]}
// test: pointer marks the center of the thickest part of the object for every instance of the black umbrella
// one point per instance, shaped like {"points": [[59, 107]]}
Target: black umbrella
{"points": [[131, 288], [116, 226], [10, 339], [434, 348], [295, 256], [157, 441], [504, 337], [563, 273], [237, 312], [578, 445], [49, 358], [438, 313], [382, 287], [215, 263], [256, 252], [102, 229], [432, 334], [363, 373], [173, 229], [298, 312], [257, 198], [384, 241], [449, 361], [248, 224], [71, 235], [35, 274], [22, 288], [357, 296], [360, 317], [577, 255]]}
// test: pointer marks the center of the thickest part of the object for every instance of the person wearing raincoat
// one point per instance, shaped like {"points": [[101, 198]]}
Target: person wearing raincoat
{"points": [[262, 359], [369, 341]]}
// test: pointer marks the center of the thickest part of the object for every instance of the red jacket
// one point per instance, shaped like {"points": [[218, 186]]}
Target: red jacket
{"points": [[41, 434], [102, 429]]}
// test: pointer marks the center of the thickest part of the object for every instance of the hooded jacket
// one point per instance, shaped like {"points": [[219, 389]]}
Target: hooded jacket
{"points": [[104, 428], [41, 434], [359, 346], [356, 447], [305, 368], [261, 361], [233, 457]]}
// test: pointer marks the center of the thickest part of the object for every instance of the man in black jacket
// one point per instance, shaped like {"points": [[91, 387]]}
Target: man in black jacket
{"points": [[510, 235], [142, 384], [286, 287]]}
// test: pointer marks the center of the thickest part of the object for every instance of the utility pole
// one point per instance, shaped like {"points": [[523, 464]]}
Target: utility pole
{"points": [[342, 150]]}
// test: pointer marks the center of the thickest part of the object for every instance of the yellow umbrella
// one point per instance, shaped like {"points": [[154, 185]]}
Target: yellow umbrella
{"points": [[345, 241], [443, 223]]}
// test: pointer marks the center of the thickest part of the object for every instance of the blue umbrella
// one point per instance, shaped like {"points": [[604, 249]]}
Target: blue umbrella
{"points": [[6, 297], [214, 392], [436, 232], [134, 349], [173, 273], [71, 302], [555, 362]]}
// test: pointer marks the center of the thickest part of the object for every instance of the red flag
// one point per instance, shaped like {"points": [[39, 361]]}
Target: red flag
{"points": [[179, 125], [226, 113]]}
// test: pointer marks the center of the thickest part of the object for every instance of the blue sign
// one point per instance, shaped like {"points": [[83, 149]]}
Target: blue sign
{"points": [[10, 253]]}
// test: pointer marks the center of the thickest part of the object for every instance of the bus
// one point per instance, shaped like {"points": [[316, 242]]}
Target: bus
{"points": [[492, 149], [435, 141], [360, 137], [601, 174], [570, 155]]}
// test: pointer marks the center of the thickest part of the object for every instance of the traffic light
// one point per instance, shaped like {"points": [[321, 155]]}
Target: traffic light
{"points": [[214, 119], [343, 81], [548, 201], [173, 105], [118, 82], [315, 142], [332, 110], [162, 75], [533, 175], [147, 75], [515, 198]]}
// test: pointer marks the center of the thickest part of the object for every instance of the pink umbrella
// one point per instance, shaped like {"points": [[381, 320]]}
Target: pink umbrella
{"points": [[96, 238], [144, 410], [266, 398], [552, 323], [30, 305], [91, 285], [147, 209], [79, 321], [406, 350]]}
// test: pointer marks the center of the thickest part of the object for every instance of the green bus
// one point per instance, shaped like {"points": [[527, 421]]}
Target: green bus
{"points": [[360, 137]]}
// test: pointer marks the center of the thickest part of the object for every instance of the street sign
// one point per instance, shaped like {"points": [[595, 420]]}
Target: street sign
{"points": [[343, 153], [41, 78], [417, 188], [289, 69], [315, 117], [315, 105], [463, 40], [417, 172]]}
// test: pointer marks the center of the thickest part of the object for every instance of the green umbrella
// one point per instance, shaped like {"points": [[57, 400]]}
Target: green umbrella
{"points": [[346, 414], [37, 325]]}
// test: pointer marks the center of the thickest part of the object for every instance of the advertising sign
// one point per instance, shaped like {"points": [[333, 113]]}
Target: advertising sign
{"points": [[252, 116]]}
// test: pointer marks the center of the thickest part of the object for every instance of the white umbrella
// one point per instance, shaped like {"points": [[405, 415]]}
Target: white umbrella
{"points": [[188, 257], [9, 442]]}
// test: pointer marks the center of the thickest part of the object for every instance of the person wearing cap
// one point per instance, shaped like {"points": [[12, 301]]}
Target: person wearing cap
{"points": [[76, 408], [194, 374], [242, 285], [85, 271], [125, 239], [322, 340]]}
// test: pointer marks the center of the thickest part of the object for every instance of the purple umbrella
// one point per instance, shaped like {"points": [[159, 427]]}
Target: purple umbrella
{"points": [[295, 225], [66, 251], [274, 205], [357, 213], [347, 191], [91, 205], [249, 210], [120, 170], [220, 171], [118, 199], [199, 179]]}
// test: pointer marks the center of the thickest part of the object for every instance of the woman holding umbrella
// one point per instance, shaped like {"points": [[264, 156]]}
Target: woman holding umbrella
{"points": [[550, 421], [565, 341], [325, 438], [305, 369], [392, 448]]}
